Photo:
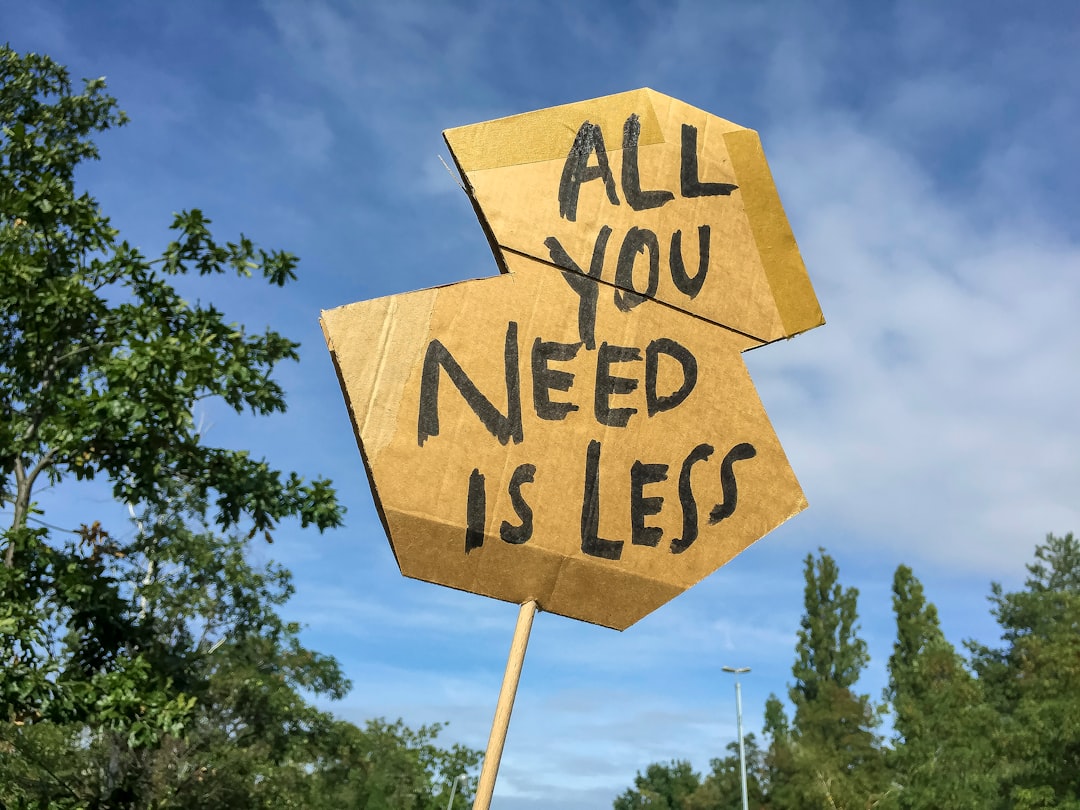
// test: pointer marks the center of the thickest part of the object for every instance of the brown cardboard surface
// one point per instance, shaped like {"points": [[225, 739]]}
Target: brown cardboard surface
{"points": [[500, 143], [593, 444], [423, 489], [755, 280]]}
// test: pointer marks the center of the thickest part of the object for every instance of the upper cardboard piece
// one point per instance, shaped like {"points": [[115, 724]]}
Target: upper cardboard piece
{"points": [[647, 193], [581, 431]]}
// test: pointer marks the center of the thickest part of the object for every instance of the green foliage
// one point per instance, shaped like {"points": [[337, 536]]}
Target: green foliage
{"points": [[828, 649], [943, 728], [152, 670], [386, 765], [779, 775], [101, 369], [1033, 681], [1001, 730], [661, 787], [721, 789], [336, 764], [833, 747]]}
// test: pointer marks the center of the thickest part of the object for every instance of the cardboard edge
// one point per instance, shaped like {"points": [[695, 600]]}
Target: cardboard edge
{"points": [[783, 265], [356, 434], [795, 298], [546, 601], [471, 153], [503, 145], [493, 244]]}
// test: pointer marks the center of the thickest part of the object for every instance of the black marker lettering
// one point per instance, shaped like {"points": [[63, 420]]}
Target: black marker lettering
{"points": [[607, 385], [631, 178], [684, 358], [476, 512], [634, 243], [544, 378], [686, 498], [641, 507], [501, 427], [524, 474], [687, 285], [576, 170], [688, 175], [740, 452], [591, 543], [584, 285]]}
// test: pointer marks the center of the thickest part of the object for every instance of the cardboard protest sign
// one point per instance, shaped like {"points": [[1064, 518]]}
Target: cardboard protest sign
{"points": [[581, 431]]}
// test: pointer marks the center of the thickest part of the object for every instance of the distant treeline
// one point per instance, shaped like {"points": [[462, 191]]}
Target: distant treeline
{"points": [[992, 728]]}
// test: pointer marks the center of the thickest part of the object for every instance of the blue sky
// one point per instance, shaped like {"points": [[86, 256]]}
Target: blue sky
{"points": [[925, 153]]}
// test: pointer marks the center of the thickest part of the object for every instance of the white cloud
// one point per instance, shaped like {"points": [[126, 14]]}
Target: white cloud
{"points": [[940, 390], [932, 421]]}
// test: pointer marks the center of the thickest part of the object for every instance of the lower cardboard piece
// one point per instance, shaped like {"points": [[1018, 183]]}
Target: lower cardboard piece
{"points": [[538, 436]]}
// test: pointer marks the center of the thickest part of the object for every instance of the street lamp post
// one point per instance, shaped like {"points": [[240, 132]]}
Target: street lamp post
{"points": [[461, 777], [737, 671]]}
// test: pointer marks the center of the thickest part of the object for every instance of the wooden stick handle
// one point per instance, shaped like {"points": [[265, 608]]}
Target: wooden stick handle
{"points": [[499, 725]]}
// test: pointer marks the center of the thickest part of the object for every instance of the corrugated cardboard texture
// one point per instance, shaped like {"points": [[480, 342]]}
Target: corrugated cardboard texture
{"points": [[423, 490], [756, 282], [581, 430]]}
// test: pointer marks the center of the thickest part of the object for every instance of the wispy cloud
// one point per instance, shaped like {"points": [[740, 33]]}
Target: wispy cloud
{"points": [[924, 158], [945, 367]]}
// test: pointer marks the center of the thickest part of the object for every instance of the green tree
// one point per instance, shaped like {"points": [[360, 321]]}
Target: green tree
{"points": [[212, 629], [1033, 680], [661, 787], [779, 775], [829, 651], [150, 667], [387, 765], [333, 764], [102, 364], [942, 746], [721, 789], [836, 759]]}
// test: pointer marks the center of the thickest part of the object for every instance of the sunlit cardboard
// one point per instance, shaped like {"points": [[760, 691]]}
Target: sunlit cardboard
{"points": [[756, 282], [591, 442]]}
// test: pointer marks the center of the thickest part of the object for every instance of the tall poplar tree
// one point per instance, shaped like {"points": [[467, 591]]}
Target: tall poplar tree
{"points": [[662, 787], [1033, 680], [838, 761], [942, 752]]}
